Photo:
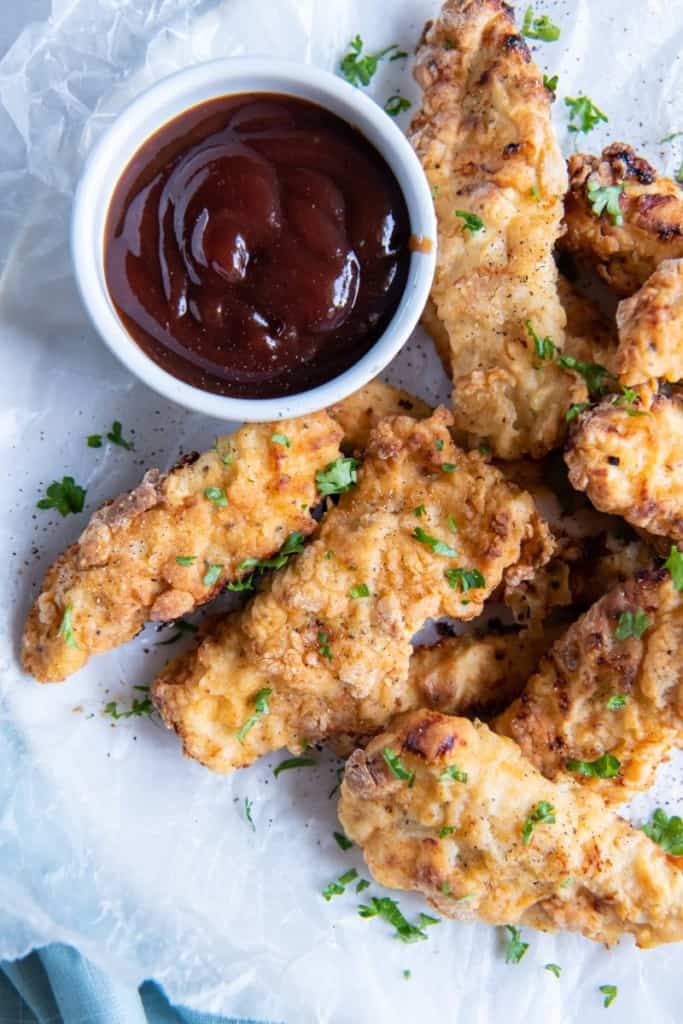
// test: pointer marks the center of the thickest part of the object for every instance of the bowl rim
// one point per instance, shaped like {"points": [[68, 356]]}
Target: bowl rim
{"points": [[166, 99]]}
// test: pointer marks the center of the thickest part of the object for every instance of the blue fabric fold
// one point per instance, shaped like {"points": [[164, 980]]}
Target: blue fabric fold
{"points": [[56, 985]]}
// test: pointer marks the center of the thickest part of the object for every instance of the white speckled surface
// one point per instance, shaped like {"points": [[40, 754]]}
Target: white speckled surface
{"points": [[108, 839]]}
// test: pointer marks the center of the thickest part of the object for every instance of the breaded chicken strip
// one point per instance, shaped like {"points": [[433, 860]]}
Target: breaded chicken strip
{"points": [[624, 651], [632, 465], [360, 413], [628, 245], [485, 139], [171, 544], [651, 328], [463, 818], [428, 531]]}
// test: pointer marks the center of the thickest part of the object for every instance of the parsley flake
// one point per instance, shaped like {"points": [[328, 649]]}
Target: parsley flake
{"points": [[181, 627], [94, 440], [396, 104], [606, 767], [389, 910], [452, 523], [595, 376], [281, 439], [464, 579], [248, 804], [542, 814], [515, 948], [453, 774], [551, 83], [606, 197], [294, 762], [363, 884], [471, 222], [293, 545], [583, 114], [666, 832], [616, 702], [543, 347], [342, 841], [185, 559], [116, 437], [629, 399], [631, 624], [435, 545], [447, 830], [359, 69], [539, 27], [325, 650], [575, 410], [67, 497], [610, 994], [674, 564], [419, 511], [216, 495], [397, 766], [407, 975], [447, 467], [338, 888], [141, 706], [212, 574], [554, 969], [260, 709], [65, 630], [360, 590], [338, 476]]}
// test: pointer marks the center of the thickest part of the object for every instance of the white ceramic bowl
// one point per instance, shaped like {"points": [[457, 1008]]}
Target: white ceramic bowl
{"points": [[164, 101]]}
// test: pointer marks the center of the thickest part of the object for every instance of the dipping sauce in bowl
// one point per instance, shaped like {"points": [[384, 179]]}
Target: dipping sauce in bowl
{"points": [[256, 246]]}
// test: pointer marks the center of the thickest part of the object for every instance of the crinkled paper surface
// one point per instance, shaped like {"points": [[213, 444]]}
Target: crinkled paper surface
{"points": [[108, 838]]}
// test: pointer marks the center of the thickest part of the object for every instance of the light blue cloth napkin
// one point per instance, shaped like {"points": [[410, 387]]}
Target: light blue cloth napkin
{"points": [[56, 985]]}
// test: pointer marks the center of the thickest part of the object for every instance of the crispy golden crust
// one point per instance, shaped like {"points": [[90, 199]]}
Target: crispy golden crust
{"points": [[338, 664], [123, 571], [632, 466], [651, 328], [619, 880], [486, 142], [360, 413], [652, 210], [563, 715]]}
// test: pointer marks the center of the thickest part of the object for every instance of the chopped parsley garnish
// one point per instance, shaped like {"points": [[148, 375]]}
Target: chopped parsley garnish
{"points": [[554, 969], [186, 559], [606, 197], [248, 804], [407, 975], [325, 650], [397, 766], [452, 523], [328, 555], [666, 831], [616, 702], [363, 884], [140, 706], [294, 762], [116, 437], [66, 629], [438, 444], [583, 114], [181, 627], [280, 439], [595, 376], [606, 767], [447, 467], [260, 709], [216, 495], [293, 545], [342, 841], [396, 104], [670, 138], [485, 449], [629, 399], [66, 496], [464, 579], [674, 564], [338, 888], [447, 830], [515, 948], [567, 882], [539, 27], [425, 920], [542, 814], [435, 191], [575, 410], [225, 457], [439, 547], [453, 774], [610, 994], [360, 590], [237, 586], [389, 910], [543, 347], [471, 222], [631, 624], [212, 575], [358, 69], [678, 176], [419, 511], [94, 440], [338, 476], [535, 193], [551, 83]]}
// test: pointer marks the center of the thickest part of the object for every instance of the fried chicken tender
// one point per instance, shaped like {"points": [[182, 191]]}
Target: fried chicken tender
{"points": [[590, 336], [632, 466], [240, 500], [328, 639], [563, 714], [486, 142], [651, 206], [650, 327], [472, 846], [360, 413]]}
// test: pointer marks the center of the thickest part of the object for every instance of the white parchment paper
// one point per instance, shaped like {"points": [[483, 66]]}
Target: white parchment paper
{"points": [[108, 838]]}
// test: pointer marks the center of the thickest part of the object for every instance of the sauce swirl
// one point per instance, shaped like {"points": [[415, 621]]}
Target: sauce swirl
{"points": [[256, 245]]}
